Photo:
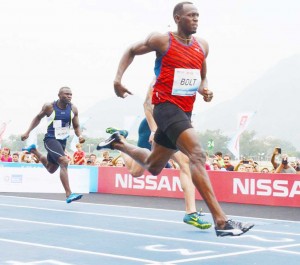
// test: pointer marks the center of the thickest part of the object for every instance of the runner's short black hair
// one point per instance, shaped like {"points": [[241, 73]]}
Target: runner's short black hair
{"points": [[179, 7]]}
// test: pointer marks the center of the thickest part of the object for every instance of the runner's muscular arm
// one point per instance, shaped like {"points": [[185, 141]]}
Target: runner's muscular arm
{"points": [[203, 88], [154, 42], [46, 110], [76, 125], [204, 82]]}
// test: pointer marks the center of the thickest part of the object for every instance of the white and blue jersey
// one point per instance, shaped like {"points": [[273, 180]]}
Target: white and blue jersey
{"points": [[59, 122]]}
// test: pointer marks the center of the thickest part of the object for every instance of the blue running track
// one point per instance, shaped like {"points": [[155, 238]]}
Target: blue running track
{"points": [[50, 232]]}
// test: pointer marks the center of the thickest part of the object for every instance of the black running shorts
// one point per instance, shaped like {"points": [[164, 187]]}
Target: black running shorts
{"points": [[171, 122], [55, 148]]}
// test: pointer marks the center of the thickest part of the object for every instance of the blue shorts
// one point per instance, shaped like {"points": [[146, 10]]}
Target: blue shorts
{"points": [[55, 148]]}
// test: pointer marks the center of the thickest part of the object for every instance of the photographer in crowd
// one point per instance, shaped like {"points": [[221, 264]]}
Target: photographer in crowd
{"points": [[284, 166], [246, 165], [276, 152]]}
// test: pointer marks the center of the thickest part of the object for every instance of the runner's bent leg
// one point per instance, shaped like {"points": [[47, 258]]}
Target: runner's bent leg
{"points": [[186, 182], [188, 143], [51, 168], [134, 168], [64, 178], [153, 161]]}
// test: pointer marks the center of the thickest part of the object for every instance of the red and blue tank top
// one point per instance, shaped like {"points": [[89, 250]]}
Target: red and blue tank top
{"points": [[178, 74]]}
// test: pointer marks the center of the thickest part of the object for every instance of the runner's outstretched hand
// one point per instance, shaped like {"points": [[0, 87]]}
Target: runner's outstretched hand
{"points": [[120, 90]]}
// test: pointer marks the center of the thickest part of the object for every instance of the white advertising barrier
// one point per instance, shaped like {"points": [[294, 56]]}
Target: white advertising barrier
{"points": [[35, 178]]}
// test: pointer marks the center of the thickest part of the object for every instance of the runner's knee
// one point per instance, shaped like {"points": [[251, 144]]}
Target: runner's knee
{"points": [[137, 173], [63, 161], [197, 156], [154, 170], [52, 168]]}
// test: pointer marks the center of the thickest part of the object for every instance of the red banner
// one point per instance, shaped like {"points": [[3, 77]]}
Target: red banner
{"points": [[118, 181], [236, 187]]}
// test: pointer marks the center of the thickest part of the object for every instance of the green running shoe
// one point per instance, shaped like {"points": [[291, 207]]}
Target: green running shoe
{"points": [[195, 220], [112, 130]]}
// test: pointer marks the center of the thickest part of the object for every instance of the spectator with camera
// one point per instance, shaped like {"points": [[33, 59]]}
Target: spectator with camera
{"points": [[276, 152], [246, 165], [284, 166]]}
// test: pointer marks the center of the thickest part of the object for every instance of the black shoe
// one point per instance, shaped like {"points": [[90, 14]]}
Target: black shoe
{"points": [[233, 228], [107, 144]]}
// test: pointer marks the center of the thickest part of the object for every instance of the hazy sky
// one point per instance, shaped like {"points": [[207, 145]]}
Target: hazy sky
{"points": [[45, 45]]}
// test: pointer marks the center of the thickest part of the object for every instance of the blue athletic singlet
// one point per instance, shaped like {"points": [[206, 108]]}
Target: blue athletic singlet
{"points": [[59, 122]]}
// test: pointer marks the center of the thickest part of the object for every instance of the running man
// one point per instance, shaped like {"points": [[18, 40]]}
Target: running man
{"points": [[60, 114], [146, 131], [180, 68]]}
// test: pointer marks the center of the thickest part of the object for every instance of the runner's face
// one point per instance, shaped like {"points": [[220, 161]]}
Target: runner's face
{"points": [[65, 96], [188, 21]]}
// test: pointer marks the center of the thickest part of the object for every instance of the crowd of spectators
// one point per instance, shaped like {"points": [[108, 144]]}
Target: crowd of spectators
{"points": [[79, 157], [279, 162]]}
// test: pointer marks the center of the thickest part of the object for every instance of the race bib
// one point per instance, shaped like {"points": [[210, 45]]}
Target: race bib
{"points": [[57, 124], [61, 133], [186, 82]]}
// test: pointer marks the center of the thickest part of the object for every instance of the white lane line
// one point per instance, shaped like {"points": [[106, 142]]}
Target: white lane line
{"points": [[262, 239], [39, 262], [19, 198], [266, 249], [127, 233], [276, 232], [283, 249], [137, 207], [88, 213], [286, 251], [238, 253], [132, 217], [80, 251], [180, 251]]}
